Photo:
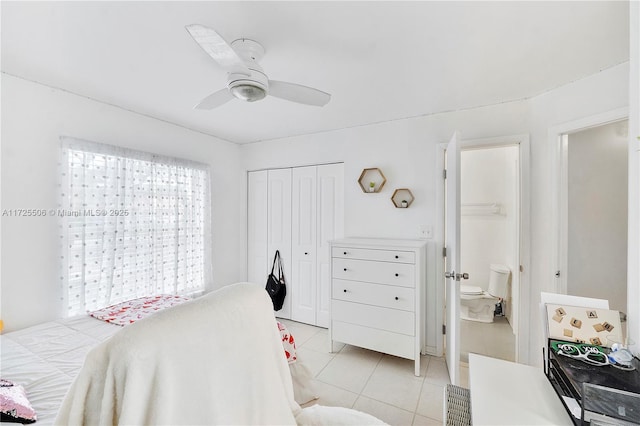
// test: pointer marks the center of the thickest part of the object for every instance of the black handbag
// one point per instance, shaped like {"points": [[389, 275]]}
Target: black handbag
{"points": [[276, 286]]}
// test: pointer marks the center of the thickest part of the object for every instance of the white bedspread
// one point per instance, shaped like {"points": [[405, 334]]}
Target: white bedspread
{"points": [[45, 358], [213, 360]]}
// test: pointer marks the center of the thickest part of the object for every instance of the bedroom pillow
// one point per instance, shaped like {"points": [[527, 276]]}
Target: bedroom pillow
{"points": [[14, 404], [133, 310]]}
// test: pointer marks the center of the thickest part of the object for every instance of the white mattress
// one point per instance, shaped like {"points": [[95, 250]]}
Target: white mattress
{"points": [[46, 358]]}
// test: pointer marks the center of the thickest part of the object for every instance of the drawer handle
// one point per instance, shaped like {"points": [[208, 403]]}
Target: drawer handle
{"points": [[397, 275], [345, 252], [397, 257], [345, 269], [396, 297], [305, 253], [345, 290]]}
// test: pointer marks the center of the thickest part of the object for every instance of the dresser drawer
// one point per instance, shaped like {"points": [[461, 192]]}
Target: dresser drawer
{"points": [[400, 274], [372, 254], [393, 320], [377, 340], [374, 294]]}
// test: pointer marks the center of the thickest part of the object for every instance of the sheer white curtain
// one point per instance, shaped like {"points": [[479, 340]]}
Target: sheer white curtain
{"points": [[133, 224]]}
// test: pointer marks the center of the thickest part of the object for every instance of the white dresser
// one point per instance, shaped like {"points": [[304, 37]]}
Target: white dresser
{"points": [[377, 295]]}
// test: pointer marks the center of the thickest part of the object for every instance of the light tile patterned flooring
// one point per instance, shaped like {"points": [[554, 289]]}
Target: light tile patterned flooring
{"points": [[494, 339], [381, 385]]}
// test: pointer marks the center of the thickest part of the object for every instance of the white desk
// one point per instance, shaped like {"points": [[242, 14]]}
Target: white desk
{"points": [[506, 393]]}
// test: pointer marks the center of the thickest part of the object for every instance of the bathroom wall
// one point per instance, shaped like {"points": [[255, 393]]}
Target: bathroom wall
{"points": [[489, 175]]}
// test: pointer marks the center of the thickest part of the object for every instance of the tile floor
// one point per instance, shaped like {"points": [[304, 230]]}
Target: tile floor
{"points": [[378, 384], [494, 339]]}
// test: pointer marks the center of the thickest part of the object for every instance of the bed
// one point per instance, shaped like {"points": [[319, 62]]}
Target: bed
{"points": [[46, 358]]}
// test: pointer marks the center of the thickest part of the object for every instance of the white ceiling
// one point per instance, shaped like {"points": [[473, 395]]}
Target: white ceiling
{"points": [[380, 60]]}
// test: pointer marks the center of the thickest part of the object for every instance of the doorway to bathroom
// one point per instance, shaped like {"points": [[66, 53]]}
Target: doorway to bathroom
{"points": [[489, 250], [449, 200]]}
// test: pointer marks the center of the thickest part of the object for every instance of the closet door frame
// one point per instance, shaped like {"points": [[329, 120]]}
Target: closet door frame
{"points": [[330, 226]]}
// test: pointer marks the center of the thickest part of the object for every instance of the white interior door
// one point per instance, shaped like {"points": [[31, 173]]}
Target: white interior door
{"points": [[303, 247], [257, 224], [330, 226], [453, 274], [279, 234]]}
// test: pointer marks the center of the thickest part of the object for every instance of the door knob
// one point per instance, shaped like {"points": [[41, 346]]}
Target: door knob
{"points": [[456, 276]]}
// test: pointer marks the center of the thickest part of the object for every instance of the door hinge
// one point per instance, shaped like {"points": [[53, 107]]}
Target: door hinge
{"points": [[444, 252], [444, 173], [444, 329], [521, 268]]}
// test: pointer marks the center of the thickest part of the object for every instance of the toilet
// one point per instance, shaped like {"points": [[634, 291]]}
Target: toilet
{"points": [[479, 305]]}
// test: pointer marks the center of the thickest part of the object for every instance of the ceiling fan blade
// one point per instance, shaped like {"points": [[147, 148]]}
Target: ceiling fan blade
{"points": [[215, 99], [216, 47], [298, 93]]}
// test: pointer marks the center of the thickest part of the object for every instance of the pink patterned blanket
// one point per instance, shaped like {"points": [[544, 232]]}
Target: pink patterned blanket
{"points": [[128, 312], [288, 342]]}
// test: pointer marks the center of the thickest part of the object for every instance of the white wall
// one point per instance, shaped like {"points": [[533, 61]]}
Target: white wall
{"points": [[33, 118], [597, 214], [488, 175], [405, 151]]}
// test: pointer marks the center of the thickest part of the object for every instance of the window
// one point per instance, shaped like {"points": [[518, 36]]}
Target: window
{"points": [[133, 225]]}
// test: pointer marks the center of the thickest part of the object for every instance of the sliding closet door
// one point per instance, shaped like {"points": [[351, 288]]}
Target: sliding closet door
{"points": [[303, 280], [330, 220], [279, 228], [257, 224]]}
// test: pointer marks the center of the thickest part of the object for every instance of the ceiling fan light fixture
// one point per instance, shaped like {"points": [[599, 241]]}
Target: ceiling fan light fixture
{"points": [[245, 78], [248, 92]]}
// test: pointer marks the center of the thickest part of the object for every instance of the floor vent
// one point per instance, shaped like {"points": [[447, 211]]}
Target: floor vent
{"points": [[458, 406]]}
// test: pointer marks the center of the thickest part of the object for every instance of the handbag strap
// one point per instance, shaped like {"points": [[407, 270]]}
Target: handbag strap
{"points": [[280, 269], [276, 258]]}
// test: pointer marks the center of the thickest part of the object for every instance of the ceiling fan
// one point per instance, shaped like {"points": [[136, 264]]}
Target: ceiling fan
{"points": [[245, 78]]}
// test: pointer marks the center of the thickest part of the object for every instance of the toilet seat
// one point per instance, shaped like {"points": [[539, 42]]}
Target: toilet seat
{"points": [[471, 290]]}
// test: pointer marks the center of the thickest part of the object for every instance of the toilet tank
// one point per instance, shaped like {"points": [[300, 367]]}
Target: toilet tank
{"points": [[499, 280]]}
